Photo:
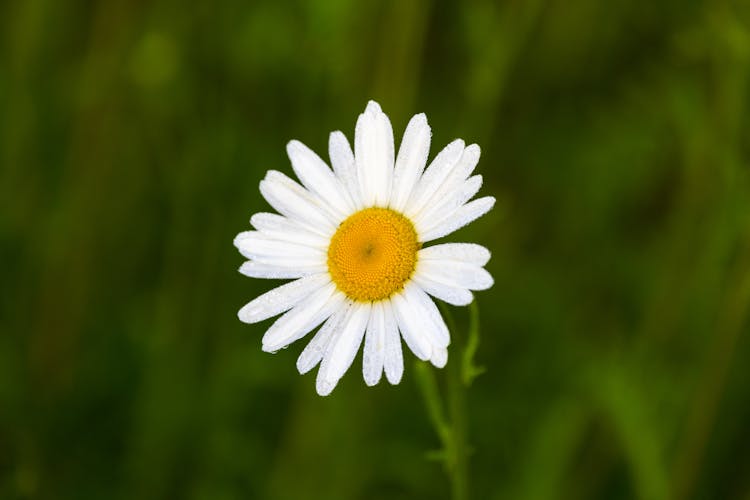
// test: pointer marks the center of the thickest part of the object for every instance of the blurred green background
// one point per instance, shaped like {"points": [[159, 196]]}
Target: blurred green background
{"points": [[133, 136]]}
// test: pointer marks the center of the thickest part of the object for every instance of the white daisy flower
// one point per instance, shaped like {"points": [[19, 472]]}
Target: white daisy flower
{"points": [[352, 239]]}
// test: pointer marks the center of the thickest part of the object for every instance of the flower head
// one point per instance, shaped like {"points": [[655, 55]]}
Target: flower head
{"points": [[352, 239]]}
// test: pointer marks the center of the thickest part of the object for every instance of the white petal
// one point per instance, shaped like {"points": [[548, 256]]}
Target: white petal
{"points": [[433, 177], [285, 229], [469, 253], [342, 160], [467, 163], [281, 298], [294, 201], [277, 271], [393, 364], [373, 355], [463, 168], [456, 274], [318, 178], [446, 293], [424, 308], [453, 182], [255, 245], [302, 318], [411, 160], [316, 348], [458, 219], [439, 357], [373, 153], [342, 349], [292, 262], [448, 203], [316, 265], [411, 329]]}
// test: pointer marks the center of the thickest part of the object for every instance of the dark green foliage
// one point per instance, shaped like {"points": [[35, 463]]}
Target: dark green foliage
{"points": [[616, 343]]}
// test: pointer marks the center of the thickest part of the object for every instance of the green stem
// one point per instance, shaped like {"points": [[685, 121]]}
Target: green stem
{"points": [[457, 408], [452, 429]]}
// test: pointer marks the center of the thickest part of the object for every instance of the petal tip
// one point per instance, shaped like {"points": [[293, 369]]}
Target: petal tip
{"points": [[324, 388], [394, 379], [373, 107], [242, 316], [238, 239], [293, 146], [336, 135], [269, 348]]}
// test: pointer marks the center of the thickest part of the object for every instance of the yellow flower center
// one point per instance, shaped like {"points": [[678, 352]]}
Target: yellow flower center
{"points": [[373, 254]]}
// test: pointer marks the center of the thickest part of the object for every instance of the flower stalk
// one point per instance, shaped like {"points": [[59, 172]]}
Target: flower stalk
{"points": [[451, 426]]}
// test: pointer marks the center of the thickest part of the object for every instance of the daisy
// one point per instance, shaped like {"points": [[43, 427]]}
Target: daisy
{"points": [[352, 239]]}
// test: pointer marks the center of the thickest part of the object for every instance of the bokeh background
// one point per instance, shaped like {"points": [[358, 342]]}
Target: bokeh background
{"points": [[133, 136]]}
